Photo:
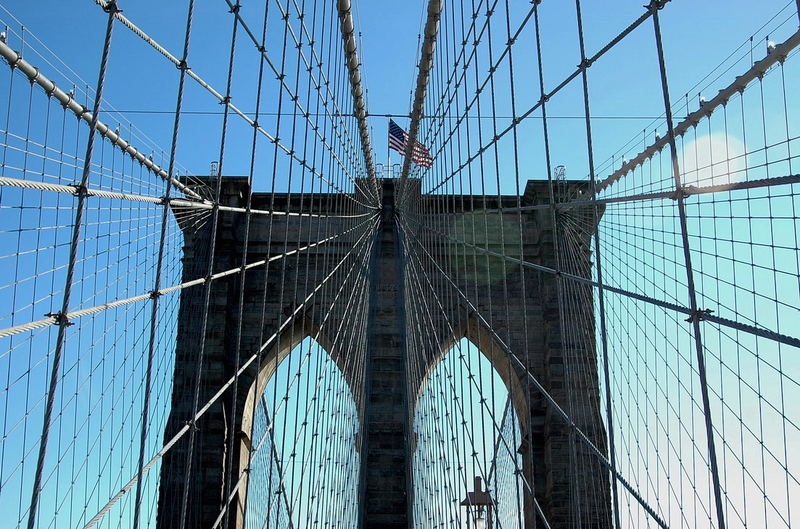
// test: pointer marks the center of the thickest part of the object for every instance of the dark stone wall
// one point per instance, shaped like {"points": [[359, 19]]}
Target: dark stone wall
{"points": [[386, 457], [562, 358]]}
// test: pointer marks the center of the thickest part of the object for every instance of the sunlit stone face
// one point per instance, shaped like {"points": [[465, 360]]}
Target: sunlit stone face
{"points": [[484, 230]]}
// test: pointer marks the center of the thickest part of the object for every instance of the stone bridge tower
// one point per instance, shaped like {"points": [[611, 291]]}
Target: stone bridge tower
{"points": [[546, 448]]}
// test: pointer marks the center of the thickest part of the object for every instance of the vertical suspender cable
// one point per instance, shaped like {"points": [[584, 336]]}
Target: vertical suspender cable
{"points": [[598, 262], [240, 310], [209, 284], [654, 6], [61, 317], [159, 265]]}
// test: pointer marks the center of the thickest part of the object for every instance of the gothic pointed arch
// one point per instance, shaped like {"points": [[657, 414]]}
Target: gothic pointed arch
{"points": [[301, 330], [475, 332]]}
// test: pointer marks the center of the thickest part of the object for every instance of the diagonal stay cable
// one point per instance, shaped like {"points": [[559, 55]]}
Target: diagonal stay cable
{"points": [[738, 85], [16, 61], [521, 117], [228, 104], [175, 202], [324, 82], [559, 411], [270, 428], [756, 331], [214, 398], [52, 320]]}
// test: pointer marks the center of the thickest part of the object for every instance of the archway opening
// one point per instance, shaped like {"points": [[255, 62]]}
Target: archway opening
{"points": [[304, 453], [466, 427]]}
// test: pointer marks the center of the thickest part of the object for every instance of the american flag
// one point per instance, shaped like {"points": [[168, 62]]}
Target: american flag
{"points": [[397, 141]]}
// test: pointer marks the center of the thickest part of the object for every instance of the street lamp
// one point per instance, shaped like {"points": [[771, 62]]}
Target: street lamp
{"points": [[482, 503]]}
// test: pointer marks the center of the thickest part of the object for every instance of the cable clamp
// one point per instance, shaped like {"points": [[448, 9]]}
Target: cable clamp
{"points": [[51, 91], [111, 7], [225, 100], [70, 98], [261, 48], [255, 123], [80, 190], [155, 294], [235, 9], [61, 319], [656, 5], [679, 194], [182, 65], [699, 315], [35, 76]]}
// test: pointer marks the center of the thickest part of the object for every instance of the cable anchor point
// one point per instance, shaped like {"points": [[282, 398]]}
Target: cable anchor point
{"points": [[80, 190], [699, 315], [681, 193], [111, 7], [60, 318], [656, 5]]}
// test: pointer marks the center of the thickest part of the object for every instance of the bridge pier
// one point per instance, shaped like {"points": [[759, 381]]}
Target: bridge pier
{"points": [[557, 467], [386, 474]]}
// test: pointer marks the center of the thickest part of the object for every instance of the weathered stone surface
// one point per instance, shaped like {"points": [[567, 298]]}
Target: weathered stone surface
{"points": [[563, 360]]}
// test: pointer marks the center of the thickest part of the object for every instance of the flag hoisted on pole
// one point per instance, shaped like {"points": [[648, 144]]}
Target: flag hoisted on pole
{"points": [[397, 141]]}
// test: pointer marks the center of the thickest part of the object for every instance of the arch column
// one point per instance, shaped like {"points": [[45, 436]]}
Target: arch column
{"points": [[530, 325], [261, 319], [571, 487], [386, 454]]}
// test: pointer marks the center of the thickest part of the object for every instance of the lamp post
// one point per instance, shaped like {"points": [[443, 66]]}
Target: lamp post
{"points": [[482, 503]]}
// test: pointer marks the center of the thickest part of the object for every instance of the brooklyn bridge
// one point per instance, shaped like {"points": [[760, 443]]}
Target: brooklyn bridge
{"points": [[485, 263]]}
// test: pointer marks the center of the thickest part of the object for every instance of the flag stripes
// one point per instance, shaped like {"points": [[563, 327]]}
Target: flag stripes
{"points": [[420, 155]]}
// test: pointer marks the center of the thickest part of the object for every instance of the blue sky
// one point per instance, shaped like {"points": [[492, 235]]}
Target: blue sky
{"points": [[735, 255], [697, 37]]}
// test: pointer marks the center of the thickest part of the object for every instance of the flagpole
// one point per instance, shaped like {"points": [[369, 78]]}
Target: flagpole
{"points": [[388, 151]]}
